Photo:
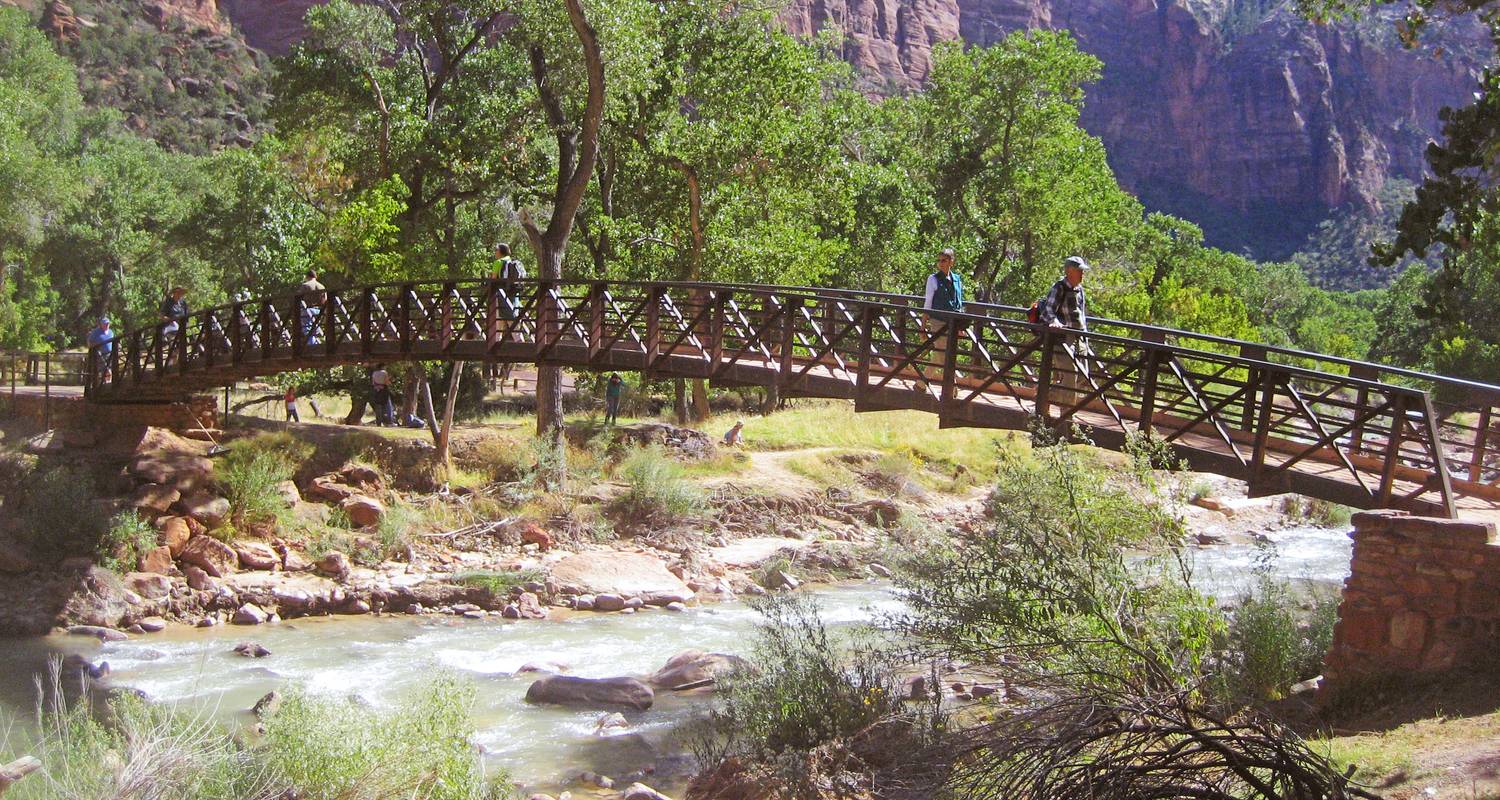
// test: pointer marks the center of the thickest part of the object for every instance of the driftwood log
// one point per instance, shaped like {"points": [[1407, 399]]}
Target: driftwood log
{"points": [[12, 773]]}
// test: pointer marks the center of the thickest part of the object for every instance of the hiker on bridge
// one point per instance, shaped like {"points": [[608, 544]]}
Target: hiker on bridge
{"points": [[1066, 307], [507, 271], [174, 307], [101, 337], [313, 294], [944, 297]]}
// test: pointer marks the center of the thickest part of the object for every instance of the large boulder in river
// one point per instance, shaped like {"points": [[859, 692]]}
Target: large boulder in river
{"points": [[623, 574], [691, 669], [566, 690]]}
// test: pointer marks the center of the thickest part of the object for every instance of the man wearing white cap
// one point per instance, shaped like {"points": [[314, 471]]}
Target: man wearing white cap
{"points": [[1065, 306]]}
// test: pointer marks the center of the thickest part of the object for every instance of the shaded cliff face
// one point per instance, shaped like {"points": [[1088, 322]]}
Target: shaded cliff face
{"points": [[1256, 136], [269, 25]]}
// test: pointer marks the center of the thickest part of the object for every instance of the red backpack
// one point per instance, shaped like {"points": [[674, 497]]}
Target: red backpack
{"points": [[1034, 314]]}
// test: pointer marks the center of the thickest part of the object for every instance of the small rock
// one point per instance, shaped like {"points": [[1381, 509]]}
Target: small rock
{"points": [[916, 688], [335, 565], [415, 608], [294, 561], [608, 602], [676, 607], [208, 622], [267, 705], [148, 584], [206, 508], [213, 556], [640, 791], [198, 580], [880, 570], [479, 614], [980, 691], [363, 512], [157, 560], [356, 606], [289, 494], [569, 691], [784, 580], [257, 555], [530, 607], [250, 614], [583, 602], [532, 533], [628, 610], [99, 632], [175, 533], [153, 499], [251, 650], [635, 603], [152, 624], [548, 667], [595, 779], [290, 600], [1309, 685]]}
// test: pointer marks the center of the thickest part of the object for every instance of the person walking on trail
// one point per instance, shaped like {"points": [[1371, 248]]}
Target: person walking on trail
{"points": [[944, 297], [291, 405], [508, 271], [313, 294], [100, 337], [613, 389], [1065, 307], [380, 397]]}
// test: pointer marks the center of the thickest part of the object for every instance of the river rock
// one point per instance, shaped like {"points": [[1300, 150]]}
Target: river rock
{"points": [[99, 632], [208, 509], [569, 691], [781, 579], [532, 533], [676, 608], [75, 667], [979, 691], [583, 602], [608, 602], [157, 560], [98, 598], [293, 560], [355, 607], [640, 791], [289, 494], [328, 489], [250, 614], [363, 512], [251, 650], [149, 585], [548, 667], [152, 624], [611, 721], [175, 533], [595, 779], [211, 555], [13, 558], [257, 555], [182, 471], [208, 622], [267, 705], [623, 574], [364, 477], [695, 668], [335, 565], [153, 499], [634, 603], [880, 570], [198, 580]]}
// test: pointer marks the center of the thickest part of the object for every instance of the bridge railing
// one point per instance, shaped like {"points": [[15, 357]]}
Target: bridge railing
{"points": [[1265, 411]]}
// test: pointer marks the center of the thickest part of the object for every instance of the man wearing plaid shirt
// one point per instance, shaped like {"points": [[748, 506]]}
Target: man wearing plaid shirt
{"points": [[1065, 306]]}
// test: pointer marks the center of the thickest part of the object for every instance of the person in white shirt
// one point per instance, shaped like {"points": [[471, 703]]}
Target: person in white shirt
{"points": [[380, 396], [943, 298]]}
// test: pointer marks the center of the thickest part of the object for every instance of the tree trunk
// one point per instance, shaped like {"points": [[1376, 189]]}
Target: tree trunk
{"points": [[772, 399], [12, 773], [699, 408], [432, 426], [445, 433], [414, 379]]}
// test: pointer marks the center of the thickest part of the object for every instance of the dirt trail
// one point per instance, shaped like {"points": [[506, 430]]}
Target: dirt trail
{"points": [[768, 469]]}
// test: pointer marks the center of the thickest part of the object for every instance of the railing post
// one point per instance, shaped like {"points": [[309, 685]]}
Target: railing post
{"points": [[597, 295], [866, 350], [1439, 459], [653, 328], [445, 310], [1357, 436], [716, 327], [1392, 451], [950, 367], [491, 315], [403, 318], [181, 343], [236, 333], [299, 332], [788, 341], [367, 322], [329, 318], [546, 317], [1481, 441], [1148, 390], [1043, 401], [1252, 378], [47, 391], [1262, 426]]}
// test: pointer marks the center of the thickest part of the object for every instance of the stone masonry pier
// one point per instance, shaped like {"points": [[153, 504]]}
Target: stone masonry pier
{"points": [[1423, 598]]}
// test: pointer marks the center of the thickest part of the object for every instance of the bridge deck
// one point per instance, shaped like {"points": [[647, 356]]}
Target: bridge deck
{"points": [[1348, 432]]}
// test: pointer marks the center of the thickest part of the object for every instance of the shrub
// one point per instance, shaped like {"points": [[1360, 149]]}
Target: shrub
{"points": [[1271, 642], [129, 537], [249, 477], [395, 530], [657, 487], [338, 749], [806, 690]]}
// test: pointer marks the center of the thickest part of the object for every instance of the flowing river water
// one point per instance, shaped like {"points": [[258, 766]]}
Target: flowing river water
{"points": [[381, 660]]}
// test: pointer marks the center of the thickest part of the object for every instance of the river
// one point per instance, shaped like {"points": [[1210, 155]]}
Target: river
{"points": [[382, 659]]}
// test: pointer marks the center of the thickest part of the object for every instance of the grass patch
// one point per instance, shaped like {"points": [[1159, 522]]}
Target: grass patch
{"points": [[657, 488], [834, 424], [498, 584], [129, 537], [58, 513]]}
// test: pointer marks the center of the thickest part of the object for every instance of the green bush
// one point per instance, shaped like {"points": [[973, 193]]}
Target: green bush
{"points": [[395, 530], [657, 487], [1272, 642], [338, 749], [249, 477], [806, 689], [129, 537], [499, 584]]}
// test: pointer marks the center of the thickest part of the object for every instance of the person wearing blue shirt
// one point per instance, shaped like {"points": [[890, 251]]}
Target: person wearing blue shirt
{"points": [[944, 296], [104, 340]]}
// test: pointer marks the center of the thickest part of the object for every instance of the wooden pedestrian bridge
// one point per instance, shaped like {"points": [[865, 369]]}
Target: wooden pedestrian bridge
{"points": [[1350, 432]]}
